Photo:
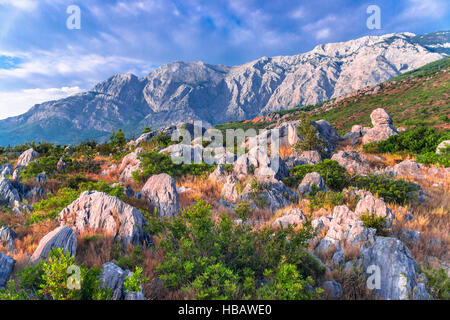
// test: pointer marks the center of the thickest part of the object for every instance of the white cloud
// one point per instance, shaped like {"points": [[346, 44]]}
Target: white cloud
{"points": [[14, 103], [25, 5], [425, 9], [323, 33]]}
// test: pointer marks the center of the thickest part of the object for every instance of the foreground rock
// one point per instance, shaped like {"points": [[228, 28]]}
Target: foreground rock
{"points": [[291, 217], [6, 170], [305, 157], [398, 270], [351, 161], [61, 237], [161, 192], [99, 211], [442, 146], [369, 205], [332, 289], [6, 267], [8, 194], [312, 181], [130, 163], [113, 277], [7, 237], [271, 194], [382, 127], [27, 157], [229, 191]]}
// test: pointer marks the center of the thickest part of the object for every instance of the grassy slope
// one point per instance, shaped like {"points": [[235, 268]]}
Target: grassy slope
{"points": [[420, 97]]}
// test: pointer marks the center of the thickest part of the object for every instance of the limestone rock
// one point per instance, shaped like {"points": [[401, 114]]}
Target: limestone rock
{"points": [[6, 267], [310, 181], [27, 157], [62, 237], [6, 170], [7, 237], [380, 117], [113, 277], [442, 146], [371, 205], [161, 192], [332, 289], [292, 217], [351, 161], [229, 191], [379, 133]]}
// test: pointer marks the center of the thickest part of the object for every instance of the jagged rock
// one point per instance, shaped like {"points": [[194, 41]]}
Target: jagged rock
{"points": [[41, 179], [293, 216], [397, 268], [219, 175], [409, 235], [35, 194], [161, 192], [420, 292], [332, 289], [327, 133], [229, 191], [6, 267], [113, 277], [27, 157], [7, 237], [62, 237], [130, 163], [380, 117], [310, 182], [68, 151], [305, 157], [8, 194], [406, 168], [371, 205], [143, 138], [442, 146], [321, 223], [351, 161], [379, 133], [99, 211], [273, 195], [16, 176], [6, 170], [338, 258], [61, 165]]}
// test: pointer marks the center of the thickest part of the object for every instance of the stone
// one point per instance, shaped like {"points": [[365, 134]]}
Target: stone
{"points": [[273, 195], [442, 146], [312, 181], [6, 267], [420, 292], [409, 235], [380, 117], [98, 211], [113, 277], [8, 194], [379, 133], [338, 258], [61, 165], [406, 168], [292, 217], [129, 164], [219, 175], [372, 205], [229, 190], [62, 237], [6, 170], [35, 194], [41, 179], [332, 289], [7, 237], [351, 161], [161, 192], [397, 268], [305, 157], [27, 157]]}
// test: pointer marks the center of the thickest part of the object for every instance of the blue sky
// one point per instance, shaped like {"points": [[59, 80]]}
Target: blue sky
{"points": [[40, 59]]}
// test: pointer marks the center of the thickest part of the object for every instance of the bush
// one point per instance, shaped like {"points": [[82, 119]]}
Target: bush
{"points": [[224, 260], [134, 282], [442, 160], [334, 175], [438, 283], [309, 133], [375, 222]]}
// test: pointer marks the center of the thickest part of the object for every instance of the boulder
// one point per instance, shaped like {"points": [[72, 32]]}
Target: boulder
{"points": [[406, 168], [409, 235], [292, 217], [130, 163], [442, 146], [219, 175], [161, 192], [229, 191], [6, 267], [371, 205], [310, 182], [41, 179], [8, 194], [95, 210], [305, 157], [6, 170], [7, 237], [379, 133], [351, 161], [397, 268], [62, 237], [332, 289], [61, 165], [35, 194], [338, 258], [380, 117], [273, 195], [27, 157], [420, 292], [113, 277], [327, 133]]}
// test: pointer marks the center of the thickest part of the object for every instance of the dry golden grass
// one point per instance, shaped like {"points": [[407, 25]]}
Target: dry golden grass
{"points": [[201, 188], [286, 151]]}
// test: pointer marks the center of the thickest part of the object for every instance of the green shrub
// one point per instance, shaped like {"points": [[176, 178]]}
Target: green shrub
{"points": [[134, 282], [442, 160], [224, 260], [311, 139], [375, 222], [438, 283]]}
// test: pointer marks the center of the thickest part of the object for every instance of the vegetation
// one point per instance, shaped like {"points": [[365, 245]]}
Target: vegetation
{"points": [[224, 260], [311, 139]]}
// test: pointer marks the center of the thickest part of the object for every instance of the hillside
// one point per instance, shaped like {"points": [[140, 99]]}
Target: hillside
{"points": [[182, 91]]}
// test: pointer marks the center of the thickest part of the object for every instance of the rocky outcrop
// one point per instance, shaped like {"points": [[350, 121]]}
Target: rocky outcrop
{"points": [[27, 157], [398, 270], [406, 168], [272, 194], [130, 163], [7, 237], [312, 181], [332, 289], [113, 277], [161, 192], [351, 161], [61, 165], [219, 174], [62, 237], [6, 170], [229, 191], [98, 211], [291, 217], [6, 267], [374, 206], [305, 157], [382, 127], [8, 194]]}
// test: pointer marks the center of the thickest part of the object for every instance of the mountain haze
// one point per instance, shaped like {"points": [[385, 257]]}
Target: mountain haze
{"points": [[182, 91]]}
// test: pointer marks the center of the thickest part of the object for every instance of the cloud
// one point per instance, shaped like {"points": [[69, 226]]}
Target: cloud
{"points": [[323, 33], [425, 9], [13, 103], [25, 5]]}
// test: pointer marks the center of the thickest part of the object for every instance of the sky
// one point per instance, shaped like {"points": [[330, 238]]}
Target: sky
{"points": [[42, 59]]}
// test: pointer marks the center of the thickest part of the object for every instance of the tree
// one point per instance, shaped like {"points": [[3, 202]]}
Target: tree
{"points": [[146, 130], [310, 135], [120, 138]]}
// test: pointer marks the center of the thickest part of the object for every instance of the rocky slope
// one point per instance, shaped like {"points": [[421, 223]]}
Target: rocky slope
{"points": [[215, 93]]}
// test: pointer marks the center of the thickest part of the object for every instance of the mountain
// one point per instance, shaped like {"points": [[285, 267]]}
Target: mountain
{"points": [[182, 91]]}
